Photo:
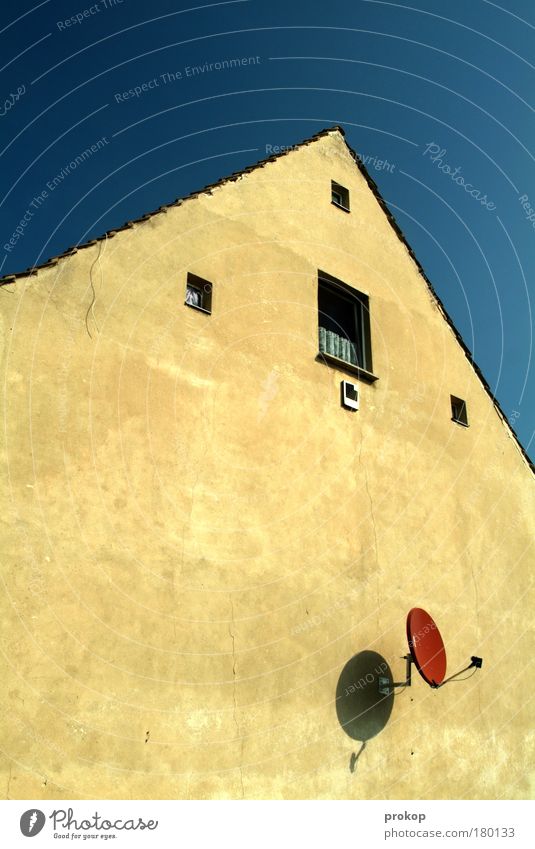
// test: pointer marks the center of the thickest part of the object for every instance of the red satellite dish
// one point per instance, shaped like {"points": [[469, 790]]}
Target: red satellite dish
{"points": [[426, 646]]}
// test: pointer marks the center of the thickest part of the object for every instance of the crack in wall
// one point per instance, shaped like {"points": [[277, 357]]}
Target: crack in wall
{"points": [[9, 782], [234, 698], [187, 525], [372, 514], [476, 593]]}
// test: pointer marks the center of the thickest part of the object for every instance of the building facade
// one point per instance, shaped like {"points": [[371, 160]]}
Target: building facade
{"points": [[209, 552]]}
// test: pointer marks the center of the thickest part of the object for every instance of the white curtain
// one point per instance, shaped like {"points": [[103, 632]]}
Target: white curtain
{"points": [[337, 346]]}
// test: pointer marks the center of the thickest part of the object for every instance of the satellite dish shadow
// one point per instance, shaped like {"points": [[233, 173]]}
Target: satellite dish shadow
{"points": [[362, 710]]}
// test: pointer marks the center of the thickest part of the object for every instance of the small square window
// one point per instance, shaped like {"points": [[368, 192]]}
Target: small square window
{"points": [[340, 196], [198, 293], [458, 411]]}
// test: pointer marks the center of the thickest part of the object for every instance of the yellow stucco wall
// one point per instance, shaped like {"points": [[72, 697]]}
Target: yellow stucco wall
{"points": [[197, 537]]}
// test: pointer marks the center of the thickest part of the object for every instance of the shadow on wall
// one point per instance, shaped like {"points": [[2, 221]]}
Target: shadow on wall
{"points": [[362, 710]]}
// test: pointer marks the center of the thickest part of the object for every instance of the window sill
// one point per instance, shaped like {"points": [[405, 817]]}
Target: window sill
{"points": [[340, 206], [199, 309], [459, 422], [361, 373]]}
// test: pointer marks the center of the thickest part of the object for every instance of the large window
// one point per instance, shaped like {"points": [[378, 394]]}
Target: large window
{"points": [[344, 323]]}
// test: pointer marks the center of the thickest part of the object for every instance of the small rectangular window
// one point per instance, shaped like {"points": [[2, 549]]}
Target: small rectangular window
{"points": [[340, 195], [344, 323], [458, 411], [198, 293]]}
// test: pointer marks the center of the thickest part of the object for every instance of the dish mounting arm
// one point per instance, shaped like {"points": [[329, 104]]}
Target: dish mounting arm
{"points": [[386, 686]]}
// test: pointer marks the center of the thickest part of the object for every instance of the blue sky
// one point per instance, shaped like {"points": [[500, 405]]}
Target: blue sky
{"points": [[420, 84]]}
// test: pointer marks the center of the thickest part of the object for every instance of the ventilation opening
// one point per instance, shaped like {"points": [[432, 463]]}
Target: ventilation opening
{"points": [[350, 395]]}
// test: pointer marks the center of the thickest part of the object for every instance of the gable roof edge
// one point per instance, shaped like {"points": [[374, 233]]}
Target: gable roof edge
{"points": [[401, 236], [109, 234], [336, 128]]}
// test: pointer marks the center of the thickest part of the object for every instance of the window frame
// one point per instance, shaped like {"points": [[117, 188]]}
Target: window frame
{"points": [[362, 323], [459, 411], [343, 192], [205, 288]]}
